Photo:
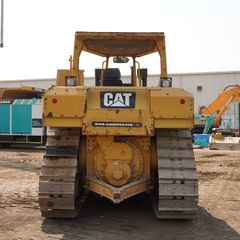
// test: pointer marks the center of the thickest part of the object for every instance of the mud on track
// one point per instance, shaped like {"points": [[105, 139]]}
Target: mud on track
{"points": [[218, 216]]}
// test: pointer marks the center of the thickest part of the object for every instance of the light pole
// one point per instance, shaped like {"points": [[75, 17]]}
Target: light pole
{"points": [[1, 40]]}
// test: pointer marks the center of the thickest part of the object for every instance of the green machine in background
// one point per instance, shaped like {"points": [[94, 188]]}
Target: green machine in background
{"points": [[5, 118], [21, 119]]}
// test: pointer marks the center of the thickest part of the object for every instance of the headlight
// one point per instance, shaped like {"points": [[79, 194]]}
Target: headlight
{"points": [[71, 81], [166, 82]]}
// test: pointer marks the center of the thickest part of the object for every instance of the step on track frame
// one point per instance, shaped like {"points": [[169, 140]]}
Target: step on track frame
{"points": [[177, 178]]}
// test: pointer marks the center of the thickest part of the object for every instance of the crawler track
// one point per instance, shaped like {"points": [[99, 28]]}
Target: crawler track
{"points": [[59, 178], [178, 184]]}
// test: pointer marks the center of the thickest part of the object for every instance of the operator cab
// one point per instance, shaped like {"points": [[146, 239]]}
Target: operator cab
{"points": [[106, 76]]}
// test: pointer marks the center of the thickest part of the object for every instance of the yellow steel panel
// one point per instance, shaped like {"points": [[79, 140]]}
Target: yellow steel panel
{"points": [[64, 102], [173, 123], [116, 116], [62, 122], [63, 73], [63, 106], [172, 104], [100, 189], [114, 150], [154, 108], [177, 92], [118, 194]]}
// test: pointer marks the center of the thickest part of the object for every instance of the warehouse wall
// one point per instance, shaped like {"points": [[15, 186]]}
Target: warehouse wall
{"points": [[204, 86], [39, 83]]}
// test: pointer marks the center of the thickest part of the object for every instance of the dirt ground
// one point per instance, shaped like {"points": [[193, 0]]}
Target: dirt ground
{"points": [[218, 216]]}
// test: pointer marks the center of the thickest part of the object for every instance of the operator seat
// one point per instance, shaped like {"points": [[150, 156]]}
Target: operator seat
{"points": [[112, 77]]}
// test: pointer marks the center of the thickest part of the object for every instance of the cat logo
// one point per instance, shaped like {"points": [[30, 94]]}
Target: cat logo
{"points": [[117, 99]]}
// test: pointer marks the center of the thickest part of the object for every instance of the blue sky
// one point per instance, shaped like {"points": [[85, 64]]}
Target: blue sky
{"points": [[201, 35]]}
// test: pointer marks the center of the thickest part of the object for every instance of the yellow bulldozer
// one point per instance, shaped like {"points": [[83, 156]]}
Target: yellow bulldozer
{"points": [[118, 138]]}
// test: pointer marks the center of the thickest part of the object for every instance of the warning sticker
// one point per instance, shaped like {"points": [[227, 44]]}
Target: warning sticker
{"points": [[37, 123]]}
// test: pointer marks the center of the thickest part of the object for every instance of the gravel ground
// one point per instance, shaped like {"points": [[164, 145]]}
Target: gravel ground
{"points": [[218, 216]]}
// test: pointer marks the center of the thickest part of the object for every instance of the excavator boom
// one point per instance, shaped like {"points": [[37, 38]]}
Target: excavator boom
{"points": [[220, 104]]}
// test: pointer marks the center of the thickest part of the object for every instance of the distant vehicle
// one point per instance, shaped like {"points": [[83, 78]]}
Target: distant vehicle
{"points": [[21, 116], [210, 117]]}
